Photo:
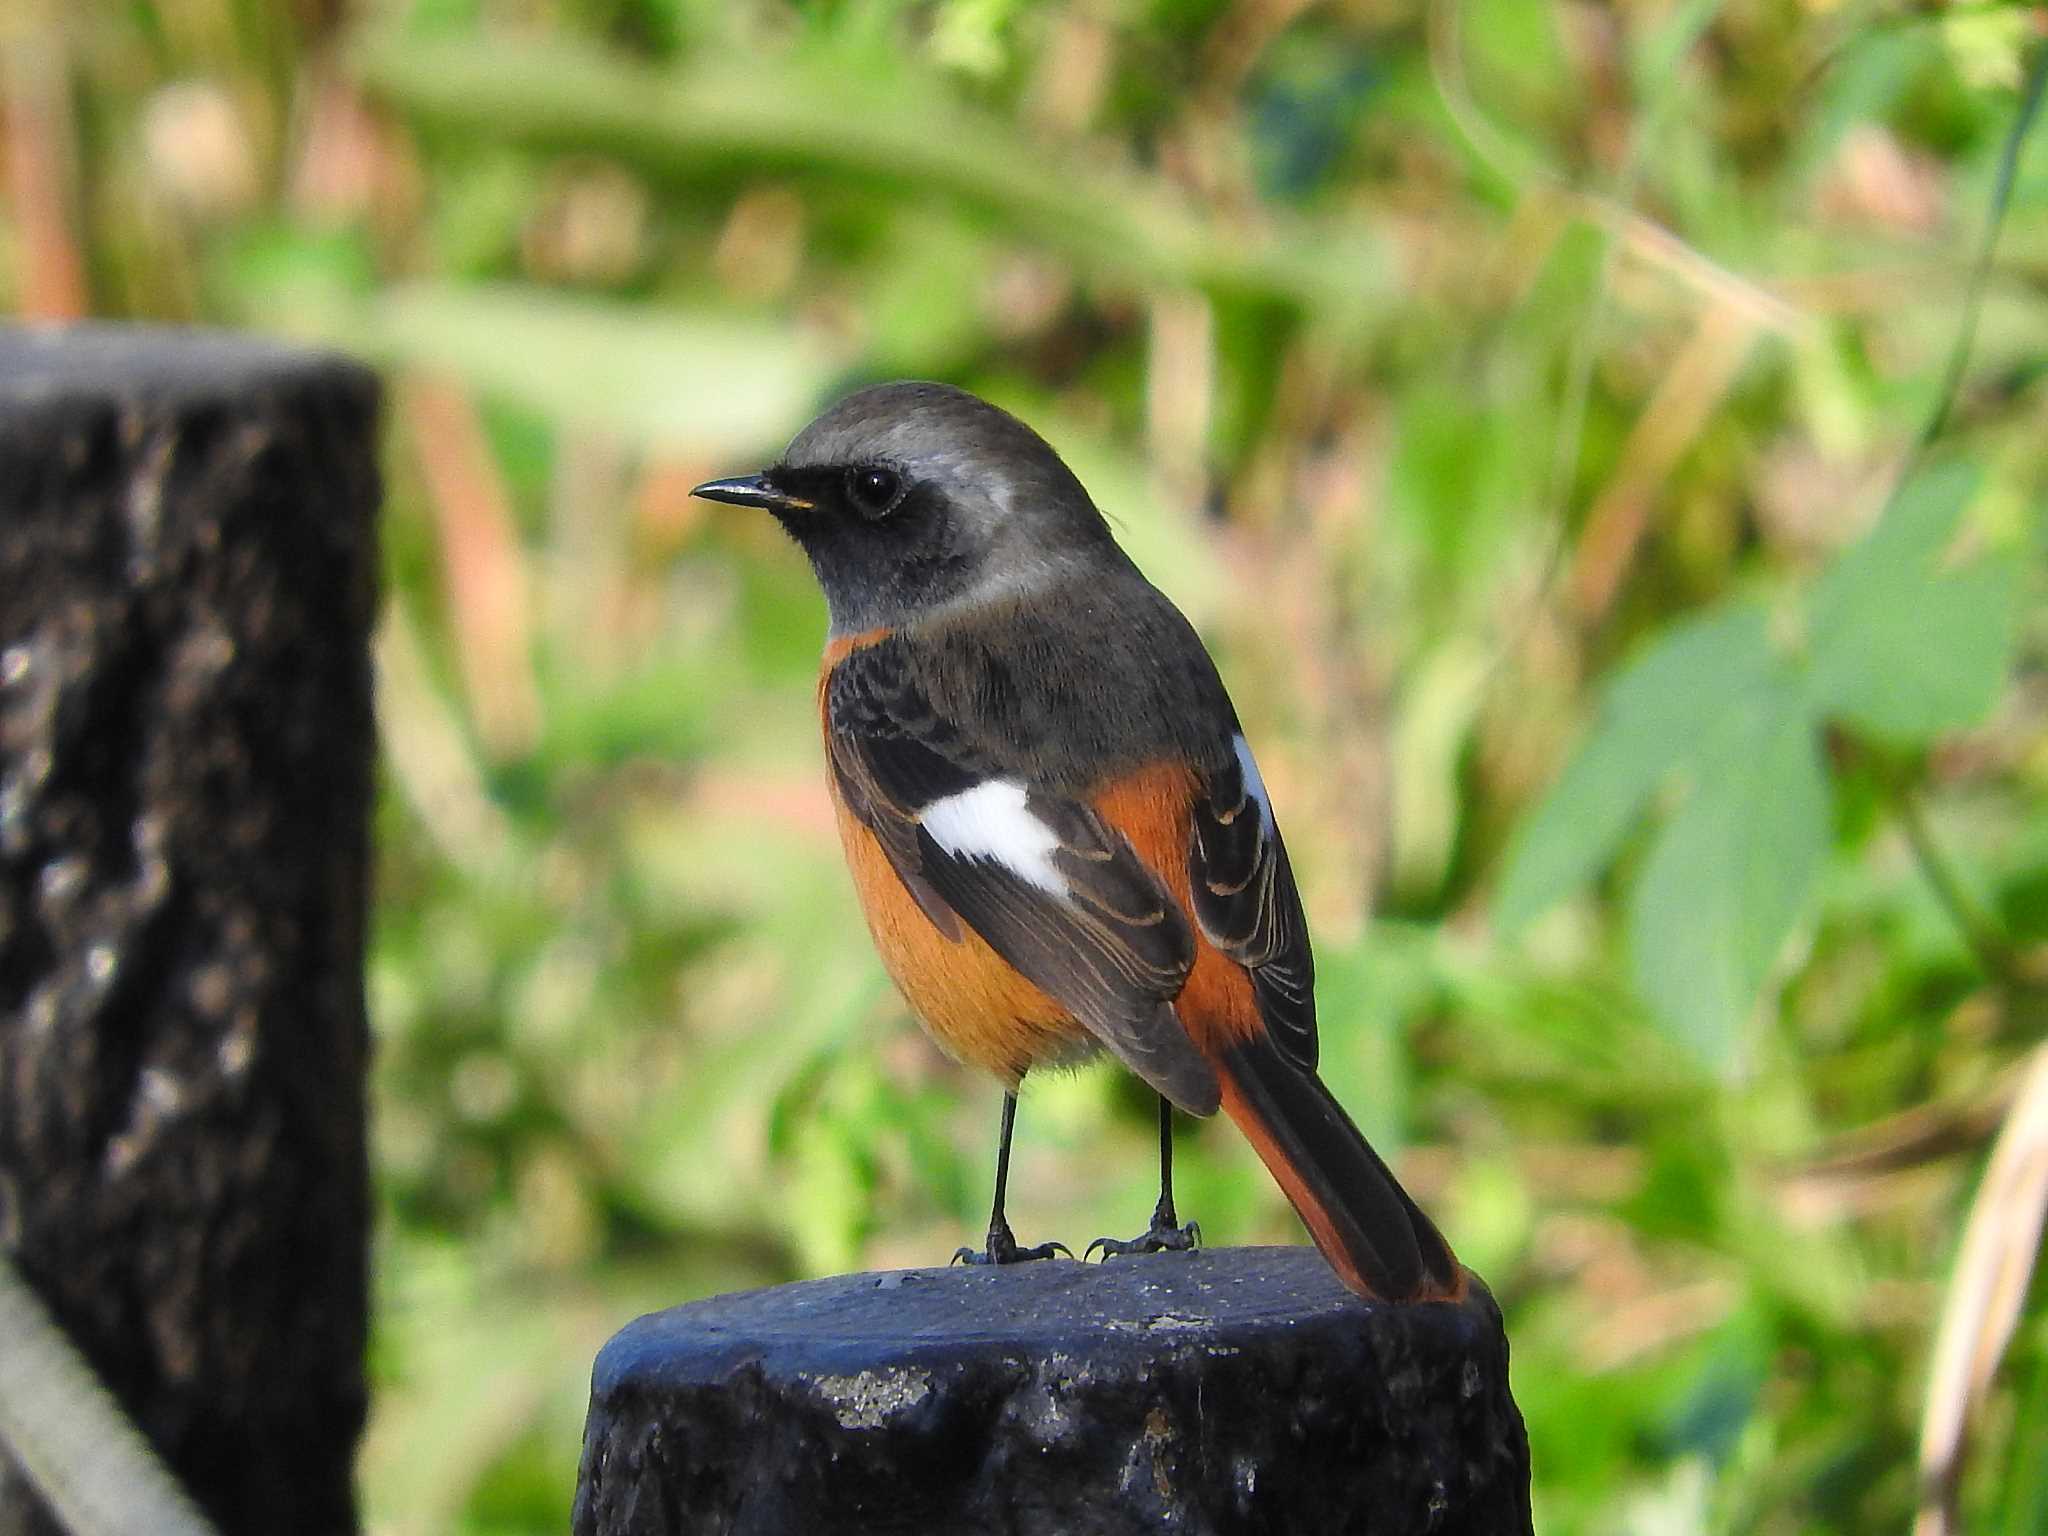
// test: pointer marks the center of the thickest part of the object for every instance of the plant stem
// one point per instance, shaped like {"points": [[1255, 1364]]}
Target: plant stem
{"points": [[1979, 930]]}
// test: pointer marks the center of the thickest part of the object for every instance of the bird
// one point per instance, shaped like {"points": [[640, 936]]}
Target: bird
{"points": [[1058, 834]]}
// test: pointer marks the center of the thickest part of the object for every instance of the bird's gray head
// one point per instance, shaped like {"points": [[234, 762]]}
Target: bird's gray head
{"points": [[912, 497]]}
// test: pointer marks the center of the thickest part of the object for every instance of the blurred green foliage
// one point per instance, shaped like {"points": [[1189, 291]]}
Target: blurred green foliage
{"points": [[1888, 643], [1514, 392]]}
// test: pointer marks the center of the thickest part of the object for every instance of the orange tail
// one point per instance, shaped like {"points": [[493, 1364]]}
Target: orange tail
{"points": [[1374, 1236]]}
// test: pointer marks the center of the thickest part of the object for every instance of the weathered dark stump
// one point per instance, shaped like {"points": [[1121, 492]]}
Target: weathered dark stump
{"points": [[1235, 1389], [188, 573]]}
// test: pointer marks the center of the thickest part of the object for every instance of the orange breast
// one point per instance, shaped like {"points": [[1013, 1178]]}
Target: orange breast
{"points": [[968, 997]]}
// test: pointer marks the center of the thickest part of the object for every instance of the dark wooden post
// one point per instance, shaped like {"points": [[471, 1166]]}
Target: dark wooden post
{"points": [[1231, 1390], [188, 573]]}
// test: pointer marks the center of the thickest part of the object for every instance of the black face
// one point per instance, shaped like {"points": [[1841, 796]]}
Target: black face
{"points": [[882, 542], [913, 495]]}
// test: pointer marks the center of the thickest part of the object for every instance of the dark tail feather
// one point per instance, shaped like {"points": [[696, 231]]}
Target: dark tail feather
{"points": [[1374, 1236]]}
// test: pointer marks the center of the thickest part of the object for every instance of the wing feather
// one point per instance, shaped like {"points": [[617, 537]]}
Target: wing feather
{"points": [[1105, 938], [1246, 902]]}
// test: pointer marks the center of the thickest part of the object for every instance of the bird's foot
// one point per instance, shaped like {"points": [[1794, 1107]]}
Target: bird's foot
{"points": [[1163, 1236], [1002, 1248]]}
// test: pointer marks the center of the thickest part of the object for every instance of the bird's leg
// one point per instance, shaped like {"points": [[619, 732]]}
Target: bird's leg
{"points": [[1166, 1233], [1002, 1242]]}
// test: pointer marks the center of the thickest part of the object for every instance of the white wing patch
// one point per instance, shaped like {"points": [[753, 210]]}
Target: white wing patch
{"points": [[1253, 783], [992, 821]]}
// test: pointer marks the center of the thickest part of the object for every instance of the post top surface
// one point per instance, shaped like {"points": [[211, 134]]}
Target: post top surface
{"points": [[1213, 1298], [1224, 1391], [44, 362]]}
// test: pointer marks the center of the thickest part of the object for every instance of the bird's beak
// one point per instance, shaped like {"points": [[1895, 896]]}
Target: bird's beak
{"points": [[751, 491]]}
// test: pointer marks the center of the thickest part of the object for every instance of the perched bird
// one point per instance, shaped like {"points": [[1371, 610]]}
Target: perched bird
{"points": [[1059, 836]]}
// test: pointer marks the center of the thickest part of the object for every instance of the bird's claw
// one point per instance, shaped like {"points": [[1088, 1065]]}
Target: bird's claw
{"points": [[1161, 1237], [1002, 1248]]}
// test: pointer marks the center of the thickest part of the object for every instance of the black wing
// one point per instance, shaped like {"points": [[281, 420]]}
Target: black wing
{"points": [[1247, 904], [1090, 924]]}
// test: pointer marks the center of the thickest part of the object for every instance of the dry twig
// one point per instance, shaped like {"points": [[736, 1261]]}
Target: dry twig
{"points": [[1993, 1270]]}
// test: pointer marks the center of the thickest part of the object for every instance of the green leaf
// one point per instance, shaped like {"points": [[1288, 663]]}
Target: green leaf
{"points": [[1652, 720], [649, 376], [866, 118], [1730, 871], [1900, 646]]}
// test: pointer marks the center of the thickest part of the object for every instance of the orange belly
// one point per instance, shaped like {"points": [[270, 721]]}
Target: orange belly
{"points": [[968, 997]]}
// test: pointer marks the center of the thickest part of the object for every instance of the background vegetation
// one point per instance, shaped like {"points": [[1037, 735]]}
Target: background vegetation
{"points": [[1512, 390]]}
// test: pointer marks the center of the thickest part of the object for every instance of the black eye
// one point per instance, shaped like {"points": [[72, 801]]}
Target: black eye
{"points": [[873, 491]]}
